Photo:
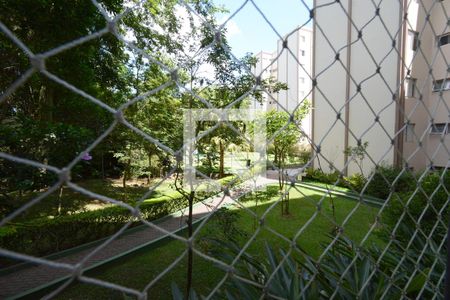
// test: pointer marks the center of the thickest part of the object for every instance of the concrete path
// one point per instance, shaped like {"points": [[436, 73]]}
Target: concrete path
{"points": [[34, 276]]}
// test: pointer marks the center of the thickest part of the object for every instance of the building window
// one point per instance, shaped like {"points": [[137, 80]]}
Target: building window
{"points": [[441, 85], [302, 80], [413, 39], [302, 52], [444, 39], [409, 133], [437, 169], [302, 37], [410, 87], [439, 128]]}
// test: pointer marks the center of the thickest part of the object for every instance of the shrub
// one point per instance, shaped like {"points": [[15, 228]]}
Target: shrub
{"points": [[355, 182], [44, 236], [222, 226], [431, 190], [346, 271], [385, 179], [318, 175]]}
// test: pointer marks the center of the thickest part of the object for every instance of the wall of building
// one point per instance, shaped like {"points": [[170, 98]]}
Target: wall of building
{"points": [[428, 107], [351, 101], [293, 67], [262, 68]]}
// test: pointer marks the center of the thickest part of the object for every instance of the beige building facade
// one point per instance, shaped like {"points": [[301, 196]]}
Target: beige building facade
{"points": [[381, 79], [291, 65]]}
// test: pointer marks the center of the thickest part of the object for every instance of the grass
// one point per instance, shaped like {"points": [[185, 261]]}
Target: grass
{"points": [[70, 201], [328, 186], [138, 270]]}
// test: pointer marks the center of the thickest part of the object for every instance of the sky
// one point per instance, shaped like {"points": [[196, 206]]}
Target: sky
{"points": [[249, 32]]}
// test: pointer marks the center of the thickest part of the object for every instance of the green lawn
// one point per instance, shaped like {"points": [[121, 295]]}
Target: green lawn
{"points": [[137, 271], [328, 186], [70, 201]]}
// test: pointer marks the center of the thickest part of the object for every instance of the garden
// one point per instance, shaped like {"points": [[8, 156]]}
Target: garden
{"points": [[92, 141], [235, 225]]}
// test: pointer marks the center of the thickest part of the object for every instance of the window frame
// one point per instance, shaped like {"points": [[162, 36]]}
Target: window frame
{"points": [[445, 35], [409, 133], [415, 39], [410, 91], [444, 85], [443, 131]]}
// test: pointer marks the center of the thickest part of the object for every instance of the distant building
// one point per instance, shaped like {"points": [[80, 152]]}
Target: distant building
{"points": [[264, 69], [293, 66], [385, 82]]}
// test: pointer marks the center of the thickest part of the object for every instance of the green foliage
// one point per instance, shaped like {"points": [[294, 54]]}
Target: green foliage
{"points": [[387, 179], [357, 154], [103, 68], [304, 156], [425, 207], [345, 271], [221, 226], [329, 178], [424, 259], [355, 182], [288, 280], [45, 236], [283, 141], [54, 143]]}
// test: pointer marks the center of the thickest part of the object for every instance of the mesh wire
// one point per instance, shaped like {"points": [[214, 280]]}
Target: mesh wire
{"points": [[319, 159]]}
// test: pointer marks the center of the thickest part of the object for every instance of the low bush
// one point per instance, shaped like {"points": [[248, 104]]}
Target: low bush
{"points": [[345, 271], [43, 236], [355, 182], [222, 226], [318, 175], [385, 179], [427, 202]]}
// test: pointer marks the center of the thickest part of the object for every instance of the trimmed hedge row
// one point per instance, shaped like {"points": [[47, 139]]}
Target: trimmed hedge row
{"points": [[354, 182], [423, 196], [40, 237], [383, 180]]}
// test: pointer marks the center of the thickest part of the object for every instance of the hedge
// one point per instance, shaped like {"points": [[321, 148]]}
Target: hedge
{"points": [[43, 236]]}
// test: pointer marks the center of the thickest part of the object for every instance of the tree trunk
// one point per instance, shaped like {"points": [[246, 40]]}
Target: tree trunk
{"points": [[222, 159], [103, 165], [280, 180], [285, 197], [126, 172], [46, 95], [190, 252], [60, 200], [149, 167]]}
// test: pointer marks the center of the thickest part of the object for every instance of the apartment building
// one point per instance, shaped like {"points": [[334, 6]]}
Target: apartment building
{"points": [[265, 67], [381, 79], [427, 86], [291, 63]]}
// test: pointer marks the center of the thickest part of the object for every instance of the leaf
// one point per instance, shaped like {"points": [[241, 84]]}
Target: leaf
{"points": [[176, 293], [417, 282]]}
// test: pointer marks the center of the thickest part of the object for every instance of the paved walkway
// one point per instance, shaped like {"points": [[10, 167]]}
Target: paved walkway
{"points": [[34, 276]]}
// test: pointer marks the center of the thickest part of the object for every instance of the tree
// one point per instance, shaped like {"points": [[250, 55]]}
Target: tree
{"points": [[283, 140], [233, 82], [357, 154], [55, 123]]}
